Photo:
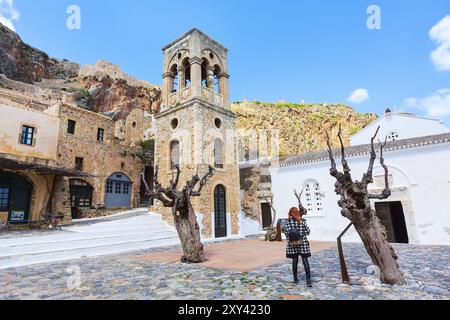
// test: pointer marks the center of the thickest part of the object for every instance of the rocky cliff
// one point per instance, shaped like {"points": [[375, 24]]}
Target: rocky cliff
{"points": [[19, 61], [101, 87], [302, 127]]}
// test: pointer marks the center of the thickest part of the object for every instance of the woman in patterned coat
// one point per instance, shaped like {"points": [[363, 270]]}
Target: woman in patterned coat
{"points": [[301, 247]]}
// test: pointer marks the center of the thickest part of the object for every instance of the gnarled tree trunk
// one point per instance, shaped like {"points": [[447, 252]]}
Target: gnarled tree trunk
{"points": [[373, 235], [189, 234], [355, 204], [185, 218]]}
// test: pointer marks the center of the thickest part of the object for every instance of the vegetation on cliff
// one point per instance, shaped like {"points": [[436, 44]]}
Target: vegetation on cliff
{"points": [[302, 127]]}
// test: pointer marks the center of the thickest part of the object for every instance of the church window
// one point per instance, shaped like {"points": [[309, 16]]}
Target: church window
{"points": [[174, 123], [174, 71], [393, 136], [174, 154], [187, 72], [312, 198], [218, 153], [217, 74], [218, 123]]}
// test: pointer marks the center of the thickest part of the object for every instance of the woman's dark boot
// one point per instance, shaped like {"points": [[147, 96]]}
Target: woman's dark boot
{"points": [[295, 269], [308, 272]]}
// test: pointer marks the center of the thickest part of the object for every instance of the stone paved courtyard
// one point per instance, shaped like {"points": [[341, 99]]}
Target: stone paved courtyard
{"points": [[123, 276]]}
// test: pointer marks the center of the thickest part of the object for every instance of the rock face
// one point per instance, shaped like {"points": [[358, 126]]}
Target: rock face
{"points": [[19, 61], [116, 96], [302, 126]]}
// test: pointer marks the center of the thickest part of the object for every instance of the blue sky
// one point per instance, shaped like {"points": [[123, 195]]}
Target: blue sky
{"points": [[316, 50]]}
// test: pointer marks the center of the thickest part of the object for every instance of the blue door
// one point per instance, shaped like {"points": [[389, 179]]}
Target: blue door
{"points": [[118, 191]]}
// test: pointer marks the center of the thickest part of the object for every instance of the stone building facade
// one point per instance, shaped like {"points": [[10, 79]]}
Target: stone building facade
{"points": [[28, 159], [196, 129], [62, 158], [98, 145]]}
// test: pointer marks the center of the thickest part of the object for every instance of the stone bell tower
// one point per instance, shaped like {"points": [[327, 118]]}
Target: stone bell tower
{"points": [[196, 129]]}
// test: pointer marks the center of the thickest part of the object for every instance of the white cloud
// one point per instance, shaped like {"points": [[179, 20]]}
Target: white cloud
{"points": [[8, 14], [435, 105], [359, 96], [440, 33]]}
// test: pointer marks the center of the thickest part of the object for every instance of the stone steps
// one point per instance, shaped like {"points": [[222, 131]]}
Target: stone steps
{"points": [[127, 234]]}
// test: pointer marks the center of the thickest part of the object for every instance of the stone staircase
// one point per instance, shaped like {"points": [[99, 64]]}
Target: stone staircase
{"points": [[135, 230]]}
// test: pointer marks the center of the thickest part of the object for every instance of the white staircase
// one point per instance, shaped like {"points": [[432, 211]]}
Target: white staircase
{"points": [[101, 237]]}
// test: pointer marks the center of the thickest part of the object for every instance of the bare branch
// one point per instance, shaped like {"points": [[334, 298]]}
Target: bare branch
{"points": [[344, 160], [203, 181], [368, 176], [333, 171], [174, 184], [387, 191]]}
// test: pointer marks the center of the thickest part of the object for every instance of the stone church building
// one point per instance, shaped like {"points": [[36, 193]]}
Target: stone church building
{"points": [[196, 129]]}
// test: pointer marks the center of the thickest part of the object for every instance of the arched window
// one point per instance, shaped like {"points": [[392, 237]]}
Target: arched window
{"points": [[220, 211], [312, 197], [174, 71], [217, 73], [187, 72], [174, 154], [218, 153], [206, 74]]}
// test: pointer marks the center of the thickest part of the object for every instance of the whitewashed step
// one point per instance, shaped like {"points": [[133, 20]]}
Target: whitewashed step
{"points": [[83, 243], [128, 233], [25, 260]]}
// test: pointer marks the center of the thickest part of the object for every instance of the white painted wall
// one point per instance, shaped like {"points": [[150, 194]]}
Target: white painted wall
{"points": [[408, 126], [47, 126], [423, 172]]}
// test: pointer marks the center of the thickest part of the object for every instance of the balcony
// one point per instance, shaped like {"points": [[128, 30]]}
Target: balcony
{"points": [[211, 96]]}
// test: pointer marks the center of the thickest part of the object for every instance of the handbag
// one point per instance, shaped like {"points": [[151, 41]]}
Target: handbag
{"points": [[294, 237]]}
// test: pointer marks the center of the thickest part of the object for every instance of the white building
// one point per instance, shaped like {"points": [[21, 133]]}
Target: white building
{"points": [[419, 172]]}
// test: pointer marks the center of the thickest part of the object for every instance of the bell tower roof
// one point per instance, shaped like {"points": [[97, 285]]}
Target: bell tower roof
{"points": [[195, 66], [194, 32]]}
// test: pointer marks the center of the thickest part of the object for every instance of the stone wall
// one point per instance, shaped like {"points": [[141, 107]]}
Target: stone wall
{"points": [[100, 158], [196, 134], [256, 184]]}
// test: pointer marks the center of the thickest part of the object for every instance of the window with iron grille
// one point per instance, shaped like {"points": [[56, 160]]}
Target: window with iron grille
{"points": [[79, 164], [313, 197], [27, 135], [71, 126], [100, 134], [4, 199]]}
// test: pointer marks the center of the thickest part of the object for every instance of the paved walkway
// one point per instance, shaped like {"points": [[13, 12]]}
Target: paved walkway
{"points": [[241, 256], [125, 276]]}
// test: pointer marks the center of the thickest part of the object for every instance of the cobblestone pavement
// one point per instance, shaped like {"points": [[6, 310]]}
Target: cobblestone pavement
{"points": [[426, 269]]}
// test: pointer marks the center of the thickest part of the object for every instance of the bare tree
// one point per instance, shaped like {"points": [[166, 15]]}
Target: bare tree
{"points": [[301, 208], [184, 215], [355, 204]]}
